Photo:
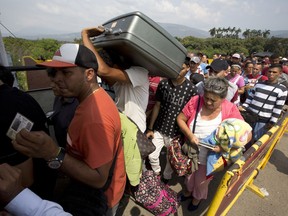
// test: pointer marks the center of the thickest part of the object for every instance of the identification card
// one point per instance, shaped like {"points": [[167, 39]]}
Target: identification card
{"points": [[18, 124]]}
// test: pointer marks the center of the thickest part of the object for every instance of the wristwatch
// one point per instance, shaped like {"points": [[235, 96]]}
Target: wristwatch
{"points": [[55, 163]]}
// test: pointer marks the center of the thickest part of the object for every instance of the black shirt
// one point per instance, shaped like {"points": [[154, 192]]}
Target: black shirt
{"points": [[13, 100], [64, 110], [172, 99]]}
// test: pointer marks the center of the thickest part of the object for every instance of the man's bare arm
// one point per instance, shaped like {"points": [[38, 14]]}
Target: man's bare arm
{"points": [[38, 144], [110, 74]]}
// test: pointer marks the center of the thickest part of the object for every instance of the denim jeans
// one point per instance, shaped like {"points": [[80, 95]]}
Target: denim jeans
{"points": [[259, 130]]}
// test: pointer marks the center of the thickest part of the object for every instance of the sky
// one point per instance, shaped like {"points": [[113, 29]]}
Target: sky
{"points": [[32, 17]]}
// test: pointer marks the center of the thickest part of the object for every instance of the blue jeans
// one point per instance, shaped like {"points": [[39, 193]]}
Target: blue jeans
{"points": [[259, 130]]}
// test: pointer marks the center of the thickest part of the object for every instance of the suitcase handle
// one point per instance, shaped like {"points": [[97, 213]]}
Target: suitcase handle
{"points": [[110, 31]]}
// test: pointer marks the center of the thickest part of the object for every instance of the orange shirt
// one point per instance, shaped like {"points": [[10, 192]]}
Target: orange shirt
{"points": [[94, 136]]}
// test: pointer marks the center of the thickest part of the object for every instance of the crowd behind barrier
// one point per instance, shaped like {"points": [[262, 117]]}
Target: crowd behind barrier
{"points": [[220, 91]]}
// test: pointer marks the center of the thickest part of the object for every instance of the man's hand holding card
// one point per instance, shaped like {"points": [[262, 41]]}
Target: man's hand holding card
{"points": [[18, 123]]}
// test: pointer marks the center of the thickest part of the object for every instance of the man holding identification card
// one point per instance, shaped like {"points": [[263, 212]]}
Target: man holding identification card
{"points": [[94, 135]]}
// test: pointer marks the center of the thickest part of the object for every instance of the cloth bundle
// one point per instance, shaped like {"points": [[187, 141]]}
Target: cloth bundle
{"points": [[231, 135]]}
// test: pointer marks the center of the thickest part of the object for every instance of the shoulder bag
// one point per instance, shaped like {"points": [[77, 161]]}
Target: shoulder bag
{"points": [[252, 118], [180, 162], [145, 144]]}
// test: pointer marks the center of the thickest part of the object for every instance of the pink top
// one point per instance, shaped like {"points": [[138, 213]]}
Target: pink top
{"points": [[237, 79], [229, 110]]}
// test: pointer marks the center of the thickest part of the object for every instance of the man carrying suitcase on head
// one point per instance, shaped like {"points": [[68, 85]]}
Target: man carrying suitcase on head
{"points": [[130, 83]]}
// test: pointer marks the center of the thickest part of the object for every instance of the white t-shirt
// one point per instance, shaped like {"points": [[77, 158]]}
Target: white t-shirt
{"points": [[132, 99], [203, 129]]}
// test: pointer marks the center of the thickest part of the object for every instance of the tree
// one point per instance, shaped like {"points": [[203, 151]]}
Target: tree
{"points": [[229, 30], [254, 44], [219, 32], [237, 32], [246, 33], [266, 33], [212, 32], [223, 41], [277, 45]]}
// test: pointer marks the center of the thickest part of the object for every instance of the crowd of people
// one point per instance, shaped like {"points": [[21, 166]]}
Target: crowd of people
{"points": [[88, 147]]}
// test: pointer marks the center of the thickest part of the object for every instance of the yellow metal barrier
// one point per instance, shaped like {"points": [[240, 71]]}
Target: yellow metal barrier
{"points": [[242, 173]]}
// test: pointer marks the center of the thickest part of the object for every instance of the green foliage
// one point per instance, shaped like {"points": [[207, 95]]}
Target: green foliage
{"points": [[22, 80], [277, 45], [234, 33], [210, 46], [18, 47], [38, 49], [255, 44], [45, 48], [225, 32], [78, 40], [252, 33]]}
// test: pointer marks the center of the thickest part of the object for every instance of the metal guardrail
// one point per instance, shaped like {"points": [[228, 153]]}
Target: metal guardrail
{"points": [[44, 96], [24, 68], [242, 173], [28, 68]]}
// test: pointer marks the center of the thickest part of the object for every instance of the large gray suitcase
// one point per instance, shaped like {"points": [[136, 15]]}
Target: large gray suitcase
{"points": [[145, 43]]}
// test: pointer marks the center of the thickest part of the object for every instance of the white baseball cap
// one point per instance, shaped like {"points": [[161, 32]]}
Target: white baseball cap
{"points": [[72, 55]]}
